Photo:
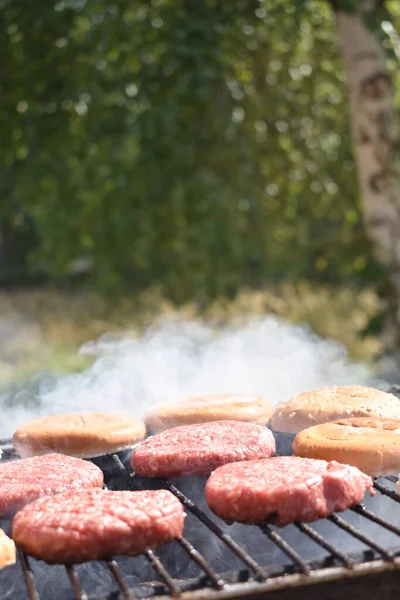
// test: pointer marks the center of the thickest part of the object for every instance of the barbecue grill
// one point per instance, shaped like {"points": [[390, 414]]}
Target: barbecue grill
{"points": [[352, 554]]}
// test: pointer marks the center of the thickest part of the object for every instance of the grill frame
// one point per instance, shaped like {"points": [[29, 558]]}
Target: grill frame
{"points": [[356, 575]]}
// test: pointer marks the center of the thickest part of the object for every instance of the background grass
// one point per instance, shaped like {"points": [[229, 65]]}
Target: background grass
{"points": [[43, 330]]}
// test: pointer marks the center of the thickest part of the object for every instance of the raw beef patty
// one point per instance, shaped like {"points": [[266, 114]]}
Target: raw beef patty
{"points": [[93, 524], [284, 489], [198, 449], [23, 481]]}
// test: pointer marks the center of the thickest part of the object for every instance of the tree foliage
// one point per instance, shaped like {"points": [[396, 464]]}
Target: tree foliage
{"points": [[200, 145]]}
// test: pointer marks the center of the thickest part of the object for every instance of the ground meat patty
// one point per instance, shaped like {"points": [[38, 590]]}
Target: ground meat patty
{"points": [[23, 481], [198, 449], [284, 489], [94, 524]]}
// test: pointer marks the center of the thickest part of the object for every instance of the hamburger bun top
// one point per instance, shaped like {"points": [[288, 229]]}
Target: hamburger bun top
{"points": [[211, 407], [78, 434], [370, 443], [7, 550], [331, 403]]}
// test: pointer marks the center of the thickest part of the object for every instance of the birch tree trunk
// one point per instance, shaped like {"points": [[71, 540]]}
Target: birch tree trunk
{"points": [[375, 145]]}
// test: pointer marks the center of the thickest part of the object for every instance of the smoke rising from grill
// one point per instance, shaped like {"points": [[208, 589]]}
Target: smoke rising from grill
{"points": [[267, 356]]}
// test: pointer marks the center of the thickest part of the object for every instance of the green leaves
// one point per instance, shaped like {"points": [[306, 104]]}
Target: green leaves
{"points": [[202, 146], [349, 6]]}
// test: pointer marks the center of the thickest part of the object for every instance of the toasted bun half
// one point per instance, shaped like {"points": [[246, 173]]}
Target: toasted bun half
{"points": [[214, 407], [371, 444], [332, 403], [7, 551], [82, 435]]}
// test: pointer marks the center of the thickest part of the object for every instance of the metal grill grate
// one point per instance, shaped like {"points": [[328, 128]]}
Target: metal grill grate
{"points": [[251, 579]]}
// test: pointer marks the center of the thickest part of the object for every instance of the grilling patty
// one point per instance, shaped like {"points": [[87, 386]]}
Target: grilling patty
{"points": [[93, 524], [284, 489], [23, 481], [198, 449]]}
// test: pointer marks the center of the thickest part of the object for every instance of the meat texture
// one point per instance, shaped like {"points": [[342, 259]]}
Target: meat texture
{"points": [[23, 481], [92, 524], [284, 489], [198, 449]]}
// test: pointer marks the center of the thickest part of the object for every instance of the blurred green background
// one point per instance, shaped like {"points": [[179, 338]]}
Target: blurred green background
{"points": [[176, 153]]}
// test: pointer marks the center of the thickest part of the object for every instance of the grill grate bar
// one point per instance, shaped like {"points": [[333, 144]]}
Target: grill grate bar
{"points": [[149, 554], [217, 581], [317, 537], [80, 594], [286, 548], [187, 503], [360, 536], [113, 566], [386, 491], [394, 388], [171, 586], [29, 577], [361, 510], [224, 537], [186, 545], [392, 478], [163, 573]]}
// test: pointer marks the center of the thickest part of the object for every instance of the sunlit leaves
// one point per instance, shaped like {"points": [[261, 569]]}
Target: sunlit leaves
{"points": [[201, 147]]}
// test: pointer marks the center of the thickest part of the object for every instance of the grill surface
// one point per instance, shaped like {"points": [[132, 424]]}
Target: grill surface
{"points": [[355, 552]]}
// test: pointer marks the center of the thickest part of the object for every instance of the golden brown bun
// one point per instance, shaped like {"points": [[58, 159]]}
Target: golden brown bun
{"points": [[213, 407], [332, 403], [7, 550], [78, 434], [370, 443]]}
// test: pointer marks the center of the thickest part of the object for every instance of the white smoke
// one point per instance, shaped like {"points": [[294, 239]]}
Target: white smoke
{"points": [[267, 356]]}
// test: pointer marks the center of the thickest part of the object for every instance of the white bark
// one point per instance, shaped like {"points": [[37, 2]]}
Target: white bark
{"points": [[376, 149]]}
